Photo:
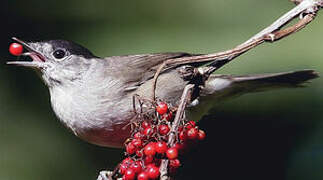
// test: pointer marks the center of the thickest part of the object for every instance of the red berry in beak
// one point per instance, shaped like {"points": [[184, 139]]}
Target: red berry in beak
{"points": [[16, 49]]}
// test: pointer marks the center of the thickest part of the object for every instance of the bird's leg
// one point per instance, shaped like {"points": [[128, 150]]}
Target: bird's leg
{"points": [[187, 72]]}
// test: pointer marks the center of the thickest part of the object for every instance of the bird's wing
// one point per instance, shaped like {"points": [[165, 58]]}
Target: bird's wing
{"points": [[135, 69]]}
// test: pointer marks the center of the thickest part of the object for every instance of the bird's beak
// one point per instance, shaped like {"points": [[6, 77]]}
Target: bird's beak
{"points": [[37, 58]]}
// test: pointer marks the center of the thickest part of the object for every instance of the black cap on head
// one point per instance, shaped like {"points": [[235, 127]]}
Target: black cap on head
{"points": [[71, 47]]}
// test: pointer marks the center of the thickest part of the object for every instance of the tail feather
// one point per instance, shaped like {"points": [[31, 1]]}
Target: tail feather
{"points": [[228, 84], [221, 87], [293, 78]]}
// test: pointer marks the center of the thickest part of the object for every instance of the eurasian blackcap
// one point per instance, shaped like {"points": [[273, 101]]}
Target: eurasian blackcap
{"points": [[92, 96]]}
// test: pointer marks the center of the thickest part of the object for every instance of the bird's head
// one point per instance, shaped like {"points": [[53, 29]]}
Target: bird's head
{"points": [[59, 61]]}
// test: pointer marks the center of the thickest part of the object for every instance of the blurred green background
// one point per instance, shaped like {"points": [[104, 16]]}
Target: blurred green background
{"points": [[268, 135]]}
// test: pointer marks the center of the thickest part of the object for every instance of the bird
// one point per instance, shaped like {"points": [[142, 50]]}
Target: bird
{"points": [[92, 96]]}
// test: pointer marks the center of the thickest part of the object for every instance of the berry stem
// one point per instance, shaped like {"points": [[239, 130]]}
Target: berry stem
{"points": [[179, 114], [186, 96]]}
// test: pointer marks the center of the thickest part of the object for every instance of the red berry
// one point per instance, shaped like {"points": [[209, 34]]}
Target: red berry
{"points": [[192, 133], [161, 147], [131, 148], [148, 131], [139, 153], [190, 124], [172, 153], [182, 135], [137, 143], [136, 167], [149, 149], [179, 146], [123, 168], [174, 163], [143, 176], [201, 135], [16, 49], [149, 165], [129, 174], [153, 172], [149, 159], [163, 129], [180, 128], [168, 116], [145, 124], [127, 161], [162, 108]]}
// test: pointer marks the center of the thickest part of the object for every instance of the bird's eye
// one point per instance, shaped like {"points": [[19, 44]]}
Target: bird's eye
{"points": [[59, 54]]}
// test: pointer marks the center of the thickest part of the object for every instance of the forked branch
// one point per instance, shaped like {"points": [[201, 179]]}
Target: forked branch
{"points": [[305, 10]]}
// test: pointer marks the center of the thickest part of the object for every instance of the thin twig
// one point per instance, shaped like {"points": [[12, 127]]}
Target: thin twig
{"points": [[303, 6], [287, 31], [186, 96], [296, 1], [221, 58], [160, 68]]}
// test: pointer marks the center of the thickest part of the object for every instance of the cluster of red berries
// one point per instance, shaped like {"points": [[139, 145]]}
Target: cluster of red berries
{"points": [[148, 145]]}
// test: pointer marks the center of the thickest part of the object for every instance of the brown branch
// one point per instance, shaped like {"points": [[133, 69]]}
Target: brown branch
{"points": [[272, 33], [296, 1], [186, 96], [292, 29], [160, 68]]}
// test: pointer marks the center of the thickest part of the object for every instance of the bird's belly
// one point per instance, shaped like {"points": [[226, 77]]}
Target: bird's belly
{"points": [[95, 122], [114, 137], [96, 129]]}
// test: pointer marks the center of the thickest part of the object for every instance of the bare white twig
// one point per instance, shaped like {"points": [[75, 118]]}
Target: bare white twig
{"points": [[303, 6], [174, 129]]}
